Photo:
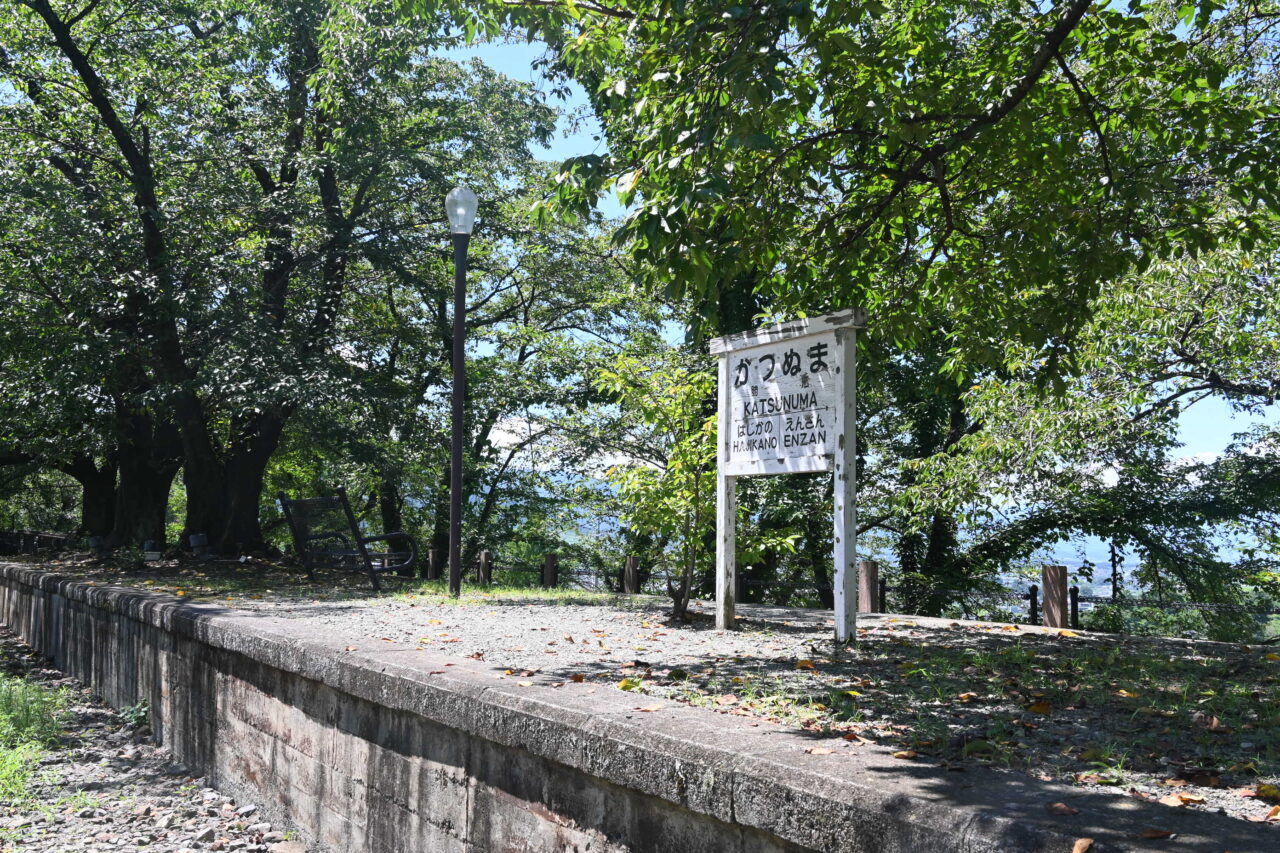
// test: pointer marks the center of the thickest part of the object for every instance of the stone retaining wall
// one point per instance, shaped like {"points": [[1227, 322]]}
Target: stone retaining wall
{"points": [[394, 749]]}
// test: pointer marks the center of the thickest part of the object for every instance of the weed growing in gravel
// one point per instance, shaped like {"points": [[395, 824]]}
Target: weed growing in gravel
{"points": [[31, 717], [29, 713], [17, 762]]}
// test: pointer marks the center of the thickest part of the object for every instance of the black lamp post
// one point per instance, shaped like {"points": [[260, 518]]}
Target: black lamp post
{"points": [[460, 205]]}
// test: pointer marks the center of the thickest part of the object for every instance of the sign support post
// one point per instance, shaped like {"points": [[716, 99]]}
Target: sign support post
{"points": [[726, 519], [844, 543], [787, 404]]}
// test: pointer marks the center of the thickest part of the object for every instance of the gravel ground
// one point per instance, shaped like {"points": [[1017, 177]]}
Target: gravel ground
{"points": [[107, 786], [1191, 725]]}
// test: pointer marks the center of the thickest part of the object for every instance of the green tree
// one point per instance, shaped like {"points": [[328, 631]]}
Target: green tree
{"points": [[217, 174], [987, 162]]}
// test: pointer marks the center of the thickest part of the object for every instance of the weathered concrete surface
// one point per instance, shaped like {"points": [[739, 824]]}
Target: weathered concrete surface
{"points": [[392, 749]]}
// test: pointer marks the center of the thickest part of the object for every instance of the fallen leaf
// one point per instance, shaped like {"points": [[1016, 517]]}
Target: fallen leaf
{"points": [[727, 699], [577, 678], [1127, 694], [967, 697], [1273, 816], [906, 753], [651, 708], [805, 664], [1272, 656], [1061, 809], [629, 684], [1009, 628], [1191, 798], [1082, 845], [1172, 800], [525, 683], [977, 747], [1269, 792], [1155, 833], [1065, 633], [1041, 707], [819, 750], [1175, 783], [350, 649]]}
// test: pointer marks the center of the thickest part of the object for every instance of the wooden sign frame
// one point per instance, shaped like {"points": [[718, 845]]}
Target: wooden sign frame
{"points": [[840, 461]]}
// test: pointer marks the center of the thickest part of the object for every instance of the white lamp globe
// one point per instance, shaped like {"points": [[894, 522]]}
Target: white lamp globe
{"points": [[460, 205]]}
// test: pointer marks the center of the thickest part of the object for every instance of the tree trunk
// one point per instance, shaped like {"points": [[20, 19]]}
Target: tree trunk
{"points": [[147, 462], [97, 494], [440, 523], [225, 501], [389, 505]]}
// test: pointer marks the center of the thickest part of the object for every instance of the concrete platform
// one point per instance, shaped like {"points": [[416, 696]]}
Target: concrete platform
{"points": [[393, 749]]}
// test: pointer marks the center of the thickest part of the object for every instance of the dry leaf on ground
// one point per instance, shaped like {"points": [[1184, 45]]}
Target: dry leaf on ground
{"points": [[1061, 809], [1082, 845]]}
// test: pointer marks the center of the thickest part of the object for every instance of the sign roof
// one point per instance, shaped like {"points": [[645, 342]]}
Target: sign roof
{"points": [[848, 318]]}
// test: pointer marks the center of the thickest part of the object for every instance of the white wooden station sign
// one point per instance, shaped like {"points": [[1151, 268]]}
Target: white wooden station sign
{"points": [[787, 405]]}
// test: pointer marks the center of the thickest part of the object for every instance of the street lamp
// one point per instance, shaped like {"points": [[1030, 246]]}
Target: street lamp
{"points": [[460, 205]]}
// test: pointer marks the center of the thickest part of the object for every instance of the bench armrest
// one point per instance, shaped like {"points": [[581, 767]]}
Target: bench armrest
{"points": [[413, 549]]}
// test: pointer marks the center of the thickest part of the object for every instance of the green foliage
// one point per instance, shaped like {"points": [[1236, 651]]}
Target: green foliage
{"points": [[17, 764], [667, 488], [137, 714], [29, 713], [991, 161]]}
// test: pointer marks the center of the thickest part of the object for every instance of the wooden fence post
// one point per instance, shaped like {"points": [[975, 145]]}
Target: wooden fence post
{"points": [[486, 568], [631, 575], [1074, 593], [1033, 596], [882, 597], [868, 586], [551, 571], [1054, 579], [433, 564]]}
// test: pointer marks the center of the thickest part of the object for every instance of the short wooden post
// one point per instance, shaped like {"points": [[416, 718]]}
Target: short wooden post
{"points": [[1033, 596], [1075, 606], [486, 568], [433, 564], [1054, 579], [551, 571], [631, 575], [868, 586], [883, 597]]}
